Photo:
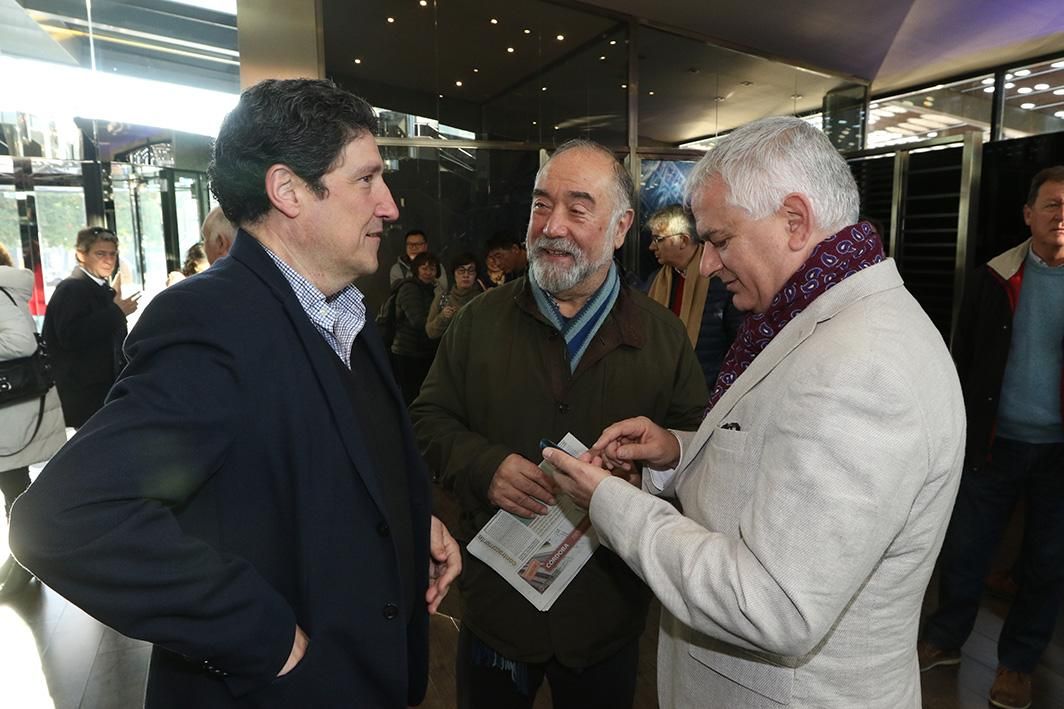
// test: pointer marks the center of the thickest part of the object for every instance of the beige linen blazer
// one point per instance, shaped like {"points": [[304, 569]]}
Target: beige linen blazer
{"points": [[795, 573]]}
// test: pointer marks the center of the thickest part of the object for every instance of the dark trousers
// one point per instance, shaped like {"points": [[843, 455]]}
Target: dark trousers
{"points": [[610, 684], [984, 504], [410, 372], [12, 484]]}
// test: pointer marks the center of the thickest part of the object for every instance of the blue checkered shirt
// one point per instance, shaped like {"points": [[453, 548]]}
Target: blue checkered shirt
{"points": [[339, 319]]}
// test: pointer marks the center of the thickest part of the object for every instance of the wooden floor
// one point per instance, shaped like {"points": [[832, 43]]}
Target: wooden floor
{"points": [[53, 656]]}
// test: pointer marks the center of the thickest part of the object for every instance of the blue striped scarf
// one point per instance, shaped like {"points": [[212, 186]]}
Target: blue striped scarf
{"points": [[581, 328]]}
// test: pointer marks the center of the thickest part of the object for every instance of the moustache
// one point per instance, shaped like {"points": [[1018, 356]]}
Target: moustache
{"points": [[557, 245]]}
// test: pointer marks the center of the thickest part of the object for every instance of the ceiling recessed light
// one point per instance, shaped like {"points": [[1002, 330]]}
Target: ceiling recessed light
{"points": [[528, 31], [1010, 85], [441, 95], [1023, 72], [932, 134], [475, 70], [987, 82], [533, 123], [988, 90], [1059, 92], [1009, 77], [560, 38], [624, 86], [357, 60], [1027, 105], [1041, 87], [458, 83], [542, 88], [1059, 114], [613, 42], [1057, 65], [650, 93], [602, 58], [391, 19], [424, 3], [1024, 90], [510, 50], [494, 21], [555, 127]]}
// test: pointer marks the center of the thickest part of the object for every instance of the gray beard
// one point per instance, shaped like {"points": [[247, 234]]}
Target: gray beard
{"points": [[556, 279]]}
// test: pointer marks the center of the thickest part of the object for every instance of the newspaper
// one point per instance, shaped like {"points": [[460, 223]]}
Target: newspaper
{"points": [[539, 556]]}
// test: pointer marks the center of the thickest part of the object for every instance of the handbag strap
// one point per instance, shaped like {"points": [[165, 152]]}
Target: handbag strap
{"points": [[9, 296], [40, 419]]}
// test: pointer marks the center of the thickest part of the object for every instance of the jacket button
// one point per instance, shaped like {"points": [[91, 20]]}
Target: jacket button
{"points": [[563, 407], [390, 612], [383, 529]]}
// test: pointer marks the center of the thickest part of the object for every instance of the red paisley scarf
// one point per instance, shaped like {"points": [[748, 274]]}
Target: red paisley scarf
{"points": [[834, 259]]}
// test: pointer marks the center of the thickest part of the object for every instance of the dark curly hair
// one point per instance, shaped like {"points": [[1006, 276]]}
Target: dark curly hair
{"points": [[423, 258], [301, 123]]}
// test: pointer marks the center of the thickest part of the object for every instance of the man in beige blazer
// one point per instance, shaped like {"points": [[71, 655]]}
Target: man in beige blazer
{"points": [[816, 493]]}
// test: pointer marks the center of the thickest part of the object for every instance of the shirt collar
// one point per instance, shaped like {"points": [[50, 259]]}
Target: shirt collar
{"points": [[102, 281], [339, 318], [1040, 261]]}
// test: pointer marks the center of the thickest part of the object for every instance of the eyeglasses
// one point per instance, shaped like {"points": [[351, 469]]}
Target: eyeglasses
{"points": [[466, 270], [659, 239]]}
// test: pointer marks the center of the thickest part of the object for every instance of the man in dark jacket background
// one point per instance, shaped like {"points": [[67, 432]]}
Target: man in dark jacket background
{"points": [[1009, 350], [85, 325]]}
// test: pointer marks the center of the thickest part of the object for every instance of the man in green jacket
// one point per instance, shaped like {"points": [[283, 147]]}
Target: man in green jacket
{"points": [[567, 348]]}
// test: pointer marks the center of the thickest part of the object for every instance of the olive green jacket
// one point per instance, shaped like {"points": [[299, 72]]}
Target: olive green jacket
{"points": [[500, 383]]}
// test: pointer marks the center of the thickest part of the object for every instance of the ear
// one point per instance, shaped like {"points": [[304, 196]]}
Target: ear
{"points": [[622, 228], [285, 190], [1027, 212], [798, 215]]}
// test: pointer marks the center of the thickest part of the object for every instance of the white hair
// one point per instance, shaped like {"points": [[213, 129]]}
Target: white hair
{"points": [[764, 161]]}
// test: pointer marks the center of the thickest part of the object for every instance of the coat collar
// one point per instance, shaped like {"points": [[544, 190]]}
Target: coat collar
{"points": [[1007, 264], [248, 252], [881, 277]]}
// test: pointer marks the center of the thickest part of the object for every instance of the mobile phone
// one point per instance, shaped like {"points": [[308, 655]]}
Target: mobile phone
{"points": [[548, 443]]}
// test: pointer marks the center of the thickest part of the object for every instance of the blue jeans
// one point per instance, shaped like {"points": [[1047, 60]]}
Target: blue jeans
{"points": [[985, 502]]}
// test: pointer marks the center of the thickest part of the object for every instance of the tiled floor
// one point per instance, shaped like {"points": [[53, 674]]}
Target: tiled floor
{"points": [[52, 655]]}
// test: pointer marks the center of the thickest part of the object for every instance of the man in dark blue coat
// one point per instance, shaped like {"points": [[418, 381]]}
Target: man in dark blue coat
{"points": [[251, 499], [85, 325]]}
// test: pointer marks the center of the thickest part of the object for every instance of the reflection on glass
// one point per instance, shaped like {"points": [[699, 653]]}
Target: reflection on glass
{"points": [[690, 90], [60, 214], [662, 184], [186, 195], [1034, 99], [459, 197], [10, 235], [534, 74], [946, 109], [149, 201]]}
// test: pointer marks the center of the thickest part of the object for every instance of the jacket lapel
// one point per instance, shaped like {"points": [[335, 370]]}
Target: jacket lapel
{"points": [[252, 255], [874, 279]]}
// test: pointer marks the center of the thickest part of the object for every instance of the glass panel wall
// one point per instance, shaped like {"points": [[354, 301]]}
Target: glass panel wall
{"points": [[10, 236], [690, 89], [946, 109], [60, 214], [459, 197], [1034, 99]]}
